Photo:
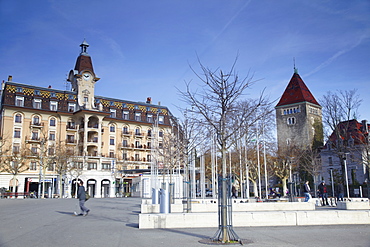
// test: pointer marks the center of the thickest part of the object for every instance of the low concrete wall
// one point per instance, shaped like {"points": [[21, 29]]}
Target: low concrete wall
{"points": [[354, 205], [237, 207], [247, 219]]}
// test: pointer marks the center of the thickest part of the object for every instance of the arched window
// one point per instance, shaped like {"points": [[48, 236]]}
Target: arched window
{"points": [[137, 131], [112, 128], [18, 118], [36, 120], [52, 121]]}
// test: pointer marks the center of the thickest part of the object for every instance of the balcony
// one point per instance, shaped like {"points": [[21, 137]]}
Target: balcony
{"points": [[36, 124], [71, 141], [126, 133], [127, 146], [33, 139], [71, 127], [140, 135]]}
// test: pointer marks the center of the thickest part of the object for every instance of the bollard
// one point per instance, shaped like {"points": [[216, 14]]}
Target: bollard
{"points": [[164, 202]]}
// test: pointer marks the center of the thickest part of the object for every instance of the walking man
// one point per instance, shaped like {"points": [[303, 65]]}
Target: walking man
{"points": [[307, 191], [81, 195]]}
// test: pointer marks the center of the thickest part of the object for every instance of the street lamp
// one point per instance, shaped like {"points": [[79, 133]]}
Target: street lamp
{"points": [[345, 170], [332, 180]]}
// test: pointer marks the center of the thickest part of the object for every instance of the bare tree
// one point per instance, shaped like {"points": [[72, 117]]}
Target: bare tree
{"points": [[14, 161], [338, 108], [215, 103]]}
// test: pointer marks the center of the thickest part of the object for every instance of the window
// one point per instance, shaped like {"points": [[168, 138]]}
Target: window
{"points": [[36, 92], [51, 151], [111, 141], [137, 131], [291, 121], [71, 125], [17, 133], [124, 143], [52, 122], [149, 132], [18, 118], [37, 103], [112, 113], [124, 156], [137, 144], [86, 99], [105, 166], [112, 128], [53, 95], [137, 116], [35, 135], [125, 115], [36, 120], [125, 130], [160, 119], [19, 90], [52, 136], [330, 161], [53, 106], [160, 145], [70, 138], [160, 133], [149, 118], [149, 158], [33, 166], [91, 166], [71, 107], [137, 157], [78, 165], [34, 150], [16, 148], [111, 154], [51, 167], [149, 145], [19, 101]]}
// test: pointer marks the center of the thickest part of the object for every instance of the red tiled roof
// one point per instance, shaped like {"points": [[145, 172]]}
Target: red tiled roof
{"points": [[296, 92], [84, 63], [351, 128]]}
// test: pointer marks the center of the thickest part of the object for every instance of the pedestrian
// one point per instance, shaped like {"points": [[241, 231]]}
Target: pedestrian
{"points": [[307, 191], [323, 193], [340, 189], [81, 195], [234, 193]]}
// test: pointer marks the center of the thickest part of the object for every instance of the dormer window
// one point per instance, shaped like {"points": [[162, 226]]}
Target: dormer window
{"points": [[112, 113], [37, 103], [19, 101], [53, 106]]}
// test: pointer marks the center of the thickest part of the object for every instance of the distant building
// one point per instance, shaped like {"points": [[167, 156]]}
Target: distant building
{"points": [[298, 116], [350, 141], [105, 137]]}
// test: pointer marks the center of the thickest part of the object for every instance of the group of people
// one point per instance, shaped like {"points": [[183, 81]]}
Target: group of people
{"points": [[323, 192]]}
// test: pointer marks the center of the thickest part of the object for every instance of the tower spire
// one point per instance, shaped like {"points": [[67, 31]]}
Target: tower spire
{"points": [[295, 69], [84, 46]]}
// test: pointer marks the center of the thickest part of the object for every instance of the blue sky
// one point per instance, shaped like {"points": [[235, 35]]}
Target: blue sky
{"points": [[143, 49]]}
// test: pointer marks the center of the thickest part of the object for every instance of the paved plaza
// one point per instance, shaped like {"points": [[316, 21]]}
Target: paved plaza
{"points": [[114, 222]]}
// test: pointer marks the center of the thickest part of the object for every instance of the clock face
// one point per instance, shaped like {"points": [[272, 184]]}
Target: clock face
{"points": [[86, 76]]}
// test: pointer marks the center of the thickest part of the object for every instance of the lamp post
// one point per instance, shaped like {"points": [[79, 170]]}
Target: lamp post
{"points": [[332, 180], [345, 170]]}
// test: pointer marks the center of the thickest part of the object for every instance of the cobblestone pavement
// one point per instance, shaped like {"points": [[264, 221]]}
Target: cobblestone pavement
{"points": [[114, 222]]}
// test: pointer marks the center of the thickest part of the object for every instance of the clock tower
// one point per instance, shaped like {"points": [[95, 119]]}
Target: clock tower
{"points": [[83, 79]]}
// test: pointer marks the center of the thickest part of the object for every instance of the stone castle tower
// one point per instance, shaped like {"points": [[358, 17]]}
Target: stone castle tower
{"points": [[298, 116]]}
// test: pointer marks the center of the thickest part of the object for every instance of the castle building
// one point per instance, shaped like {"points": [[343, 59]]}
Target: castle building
{"points": [[350, 142], [101, 137], [298, 116]]}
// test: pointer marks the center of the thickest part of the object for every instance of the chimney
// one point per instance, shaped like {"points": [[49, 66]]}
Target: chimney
{"points": [[149, 100], [10, 78], [365, 128]]}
